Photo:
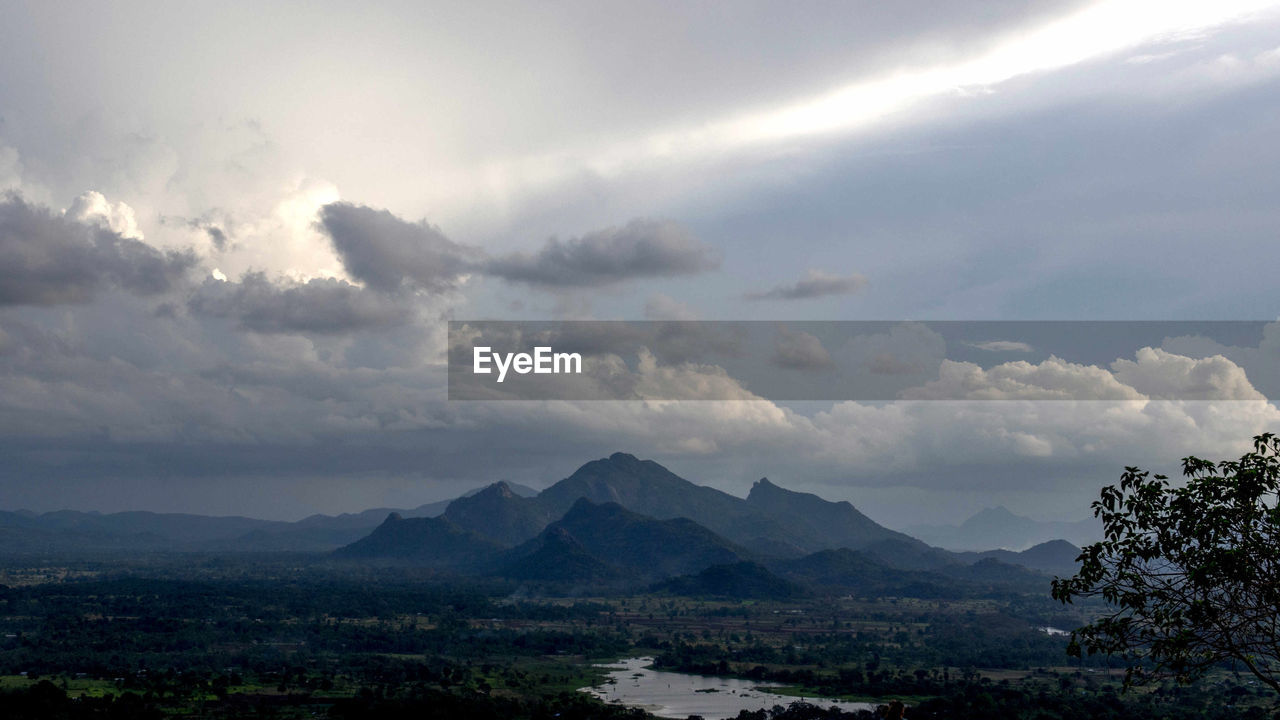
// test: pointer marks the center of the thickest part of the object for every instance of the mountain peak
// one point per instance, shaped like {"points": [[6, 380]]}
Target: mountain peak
{"points": [[765, 489], [839, 524], [621, 457], [393, 518], [500, 488], [993, 515]]}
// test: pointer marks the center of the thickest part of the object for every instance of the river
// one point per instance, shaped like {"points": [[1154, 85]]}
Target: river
{"points": [[679, 695]]}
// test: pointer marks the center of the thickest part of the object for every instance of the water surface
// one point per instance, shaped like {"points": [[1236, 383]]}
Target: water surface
{"points": [[679, 695]]}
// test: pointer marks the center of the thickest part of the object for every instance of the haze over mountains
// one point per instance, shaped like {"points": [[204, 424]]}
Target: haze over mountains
{"points": [[71, 531], [616, 523], [997, 527]]}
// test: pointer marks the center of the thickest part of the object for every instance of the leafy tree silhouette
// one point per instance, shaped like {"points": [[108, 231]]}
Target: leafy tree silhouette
{"points": [[1191, 574]]}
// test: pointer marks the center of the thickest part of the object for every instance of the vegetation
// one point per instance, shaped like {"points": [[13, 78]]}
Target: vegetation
{"points": [[427, 618], [285, 638], [1191, 574]]}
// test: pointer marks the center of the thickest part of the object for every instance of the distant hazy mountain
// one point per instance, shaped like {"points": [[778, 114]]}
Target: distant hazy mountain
{"points": [[71, 531], [427, 542], [1055, 557], [615, 522], [999, 528]]}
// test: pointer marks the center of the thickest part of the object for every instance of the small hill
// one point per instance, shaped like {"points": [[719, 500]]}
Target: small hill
{"points": [[425, 542], [742, 580], [641, 547], [994, 573], [1056, 557], [561, 559], [498, 513], [852, 572], [907, 553]]}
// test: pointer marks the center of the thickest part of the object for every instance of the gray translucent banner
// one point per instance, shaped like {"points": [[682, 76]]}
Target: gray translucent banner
{"points": [[863, 360]]}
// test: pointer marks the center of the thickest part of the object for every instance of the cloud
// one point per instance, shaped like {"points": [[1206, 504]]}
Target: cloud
{"points": [[320, 305], [663, 307], [388, 254], [639, 249], [887, 363], [1153, 374], [10, 169], [1053, 379], [118, 393], [216, 233], [48, 259], [1003, 346], [815, 284], [1162, 374], [798, 350], [94, 208]]}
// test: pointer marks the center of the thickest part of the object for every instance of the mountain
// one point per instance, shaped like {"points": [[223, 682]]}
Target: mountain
{"points": [[1056, 557], [427, 542], [907, 553], [994, 573], [997, 527], [499, 514], [741, 580], [639, 547], [645, 487], [176, 527], [835, 524], [71, 531], [856, 573], [18, 540], [559, 558]]}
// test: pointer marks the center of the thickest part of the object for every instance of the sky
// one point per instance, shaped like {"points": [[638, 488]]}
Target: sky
{"points": [[232, 235]]}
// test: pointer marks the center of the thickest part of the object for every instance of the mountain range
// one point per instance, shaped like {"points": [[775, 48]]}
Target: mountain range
{"points": [[625, 522], [616, 523], [71, 531]]}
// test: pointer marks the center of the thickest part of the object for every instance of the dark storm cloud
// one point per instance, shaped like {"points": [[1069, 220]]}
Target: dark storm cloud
{"points": [[640, 249], [387, 253], [815, 284], [321, 305], [47, 259]]}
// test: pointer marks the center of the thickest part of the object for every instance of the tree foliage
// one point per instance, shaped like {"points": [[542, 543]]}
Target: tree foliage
{"points": [[1191, 573]]}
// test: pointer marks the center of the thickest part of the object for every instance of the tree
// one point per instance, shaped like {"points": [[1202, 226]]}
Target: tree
{"points": [[1191, 574]]}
